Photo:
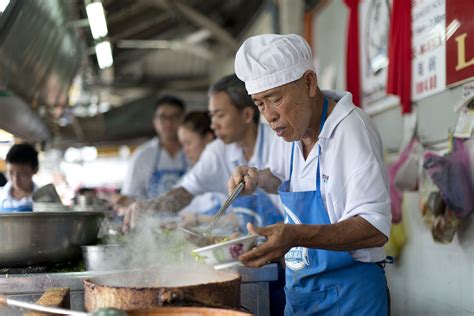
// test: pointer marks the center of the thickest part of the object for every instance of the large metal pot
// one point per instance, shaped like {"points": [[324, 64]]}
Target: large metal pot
{"points": [[31, 238], [160, 287]]}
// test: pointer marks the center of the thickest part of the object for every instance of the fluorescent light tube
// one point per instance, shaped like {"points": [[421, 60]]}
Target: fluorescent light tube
{"points": [[103, 51], [3, 5], [96, 16]]}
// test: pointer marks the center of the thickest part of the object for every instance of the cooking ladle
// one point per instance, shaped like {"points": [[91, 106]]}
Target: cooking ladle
{"points": [[204, 237], [5, 301]]}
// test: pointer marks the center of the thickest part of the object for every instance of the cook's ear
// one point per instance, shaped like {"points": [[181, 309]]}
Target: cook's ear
{"points": [[311, 82], [248, 113], [209, 137]]}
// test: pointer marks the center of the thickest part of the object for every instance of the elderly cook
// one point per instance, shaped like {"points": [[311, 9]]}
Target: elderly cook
{"points": [[335, 191]]}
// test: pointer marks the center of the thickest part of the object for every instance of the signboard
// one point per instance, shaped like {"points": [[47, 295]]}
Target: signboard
{"points": [[460, 41], [428, 47]]}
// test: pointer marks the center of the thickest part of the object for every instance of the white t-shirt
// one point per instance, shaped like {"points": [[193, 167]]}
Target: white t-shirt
{"points": [[142, 165], [218, 160], [9, 204], [353, 175]]}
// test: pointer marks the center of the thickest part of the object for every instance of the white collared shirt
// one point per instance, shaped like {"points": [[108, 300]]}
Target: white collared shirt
{"points": [[353, 175], [218, 160]]}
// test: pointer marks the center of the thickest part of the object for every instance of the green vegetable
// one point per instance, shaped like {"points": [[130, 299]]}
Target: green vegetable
{"points": [[199, 258]]}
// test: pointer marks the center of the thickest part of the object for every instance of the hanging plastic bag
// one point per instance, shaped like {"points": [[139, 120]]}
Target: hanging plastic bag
{"points": [[396, 196], [397, 240], [444, 227], [406, 177], [426, 187], [452, 175]]}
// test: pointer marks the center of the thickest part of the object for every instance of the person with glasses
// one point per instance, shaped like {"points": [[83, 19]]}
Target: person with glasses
{"points": [[157, 165], [21, 164]]}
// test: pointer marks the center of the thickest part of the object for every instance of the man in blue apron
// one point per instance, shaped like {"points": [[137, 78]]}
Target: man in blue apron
{"points": [[241, 140], [331, 179], [22, 164], [157, 165]]}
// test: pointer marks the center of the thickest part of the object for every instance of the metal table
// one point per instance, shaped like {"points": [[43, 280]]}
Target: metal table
{"points": [[30, 287]]}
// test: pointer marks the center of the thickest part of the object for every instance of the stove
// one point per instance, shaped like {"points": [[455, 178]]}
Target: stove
{"points": [[30, 286]]}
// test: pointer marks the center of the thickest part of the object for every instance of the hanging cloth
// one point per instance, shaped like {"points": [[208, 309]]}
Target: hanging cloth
{"points": [[352, 52], [399, 53]]}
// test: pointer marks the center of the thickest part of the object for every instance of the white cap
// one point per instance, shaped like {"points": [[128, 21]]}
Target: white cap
{"points": [[267, 61]]}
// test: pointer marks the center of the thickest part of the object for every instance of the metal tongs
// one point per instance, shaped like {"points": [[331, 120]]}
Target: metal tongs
{"points": [[205, 235]]}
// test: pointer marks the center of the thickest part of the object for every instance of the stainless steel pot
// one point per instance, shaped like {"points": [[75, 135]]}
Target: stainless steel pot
{"points": [[104, 257], [30, 238]]}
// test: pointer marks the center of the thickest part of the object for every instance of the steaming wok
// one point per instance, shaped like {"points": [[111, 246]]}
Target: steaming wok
{"points": [[29, 238], [133, 290]]}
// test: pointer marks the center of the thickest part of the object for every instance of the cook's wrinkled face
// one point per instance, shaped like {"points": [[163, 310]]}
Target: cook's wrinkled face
{"points": [[193, 143], [287, 108], [227, 121], [166, 121], [20, 175]]}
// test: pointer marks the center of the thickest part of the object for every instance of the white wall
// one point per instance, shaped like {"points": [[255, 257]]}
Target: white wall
{"points": [[329, 29], [429, 278]]}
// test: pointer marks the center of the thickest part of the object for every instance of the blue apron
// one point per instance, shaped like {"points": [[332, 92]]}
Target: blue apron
{"points": [[20, 208], [324, 282], [257, 208], [7, 206], [162, 180]]}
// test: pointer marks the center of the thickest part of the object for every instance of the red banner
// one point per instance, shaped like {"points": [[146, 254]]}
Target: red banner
{"points": [[459, 40]]}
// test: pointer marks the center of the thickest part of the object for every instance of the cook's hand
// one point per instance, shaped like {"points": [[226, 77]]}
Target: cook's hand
{"points": [[133, 212], [120, 202], [246, 174], [279, 241]]}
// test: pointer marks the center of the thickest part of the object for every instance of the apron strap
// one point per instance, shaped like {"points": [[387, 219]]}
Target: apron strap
{"points": [[321, 125], [291, 161], [260, 148], [157, 158]]}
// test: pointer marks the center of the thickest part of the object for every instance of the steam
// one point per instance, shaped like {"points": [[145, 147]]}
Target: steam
{"points": [[162, 252]]}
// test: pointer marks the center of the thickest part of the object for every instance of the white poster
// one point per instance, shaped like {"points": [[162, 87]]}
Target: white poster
{"points": [[374, 25], [429, 48]]}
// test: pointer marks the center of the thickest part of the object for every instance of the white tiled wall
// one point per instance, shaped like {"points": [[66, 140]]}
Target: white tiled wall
{"points": [[431, 278]]}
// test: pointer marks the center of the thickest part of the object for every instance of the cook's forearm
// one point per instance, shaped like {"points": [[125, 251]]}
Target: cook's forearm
{"points": [[348, 235], [268, 182], [172, 201]]}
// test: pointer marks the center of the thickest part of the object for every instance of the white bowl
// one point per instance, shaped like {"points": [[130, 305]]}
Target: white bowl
{"points": [[227, 251]]}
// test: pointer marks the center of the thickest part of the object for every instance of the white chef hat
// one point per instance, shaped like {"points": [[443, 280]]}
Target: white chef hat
{"points": [[267, 61]]}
